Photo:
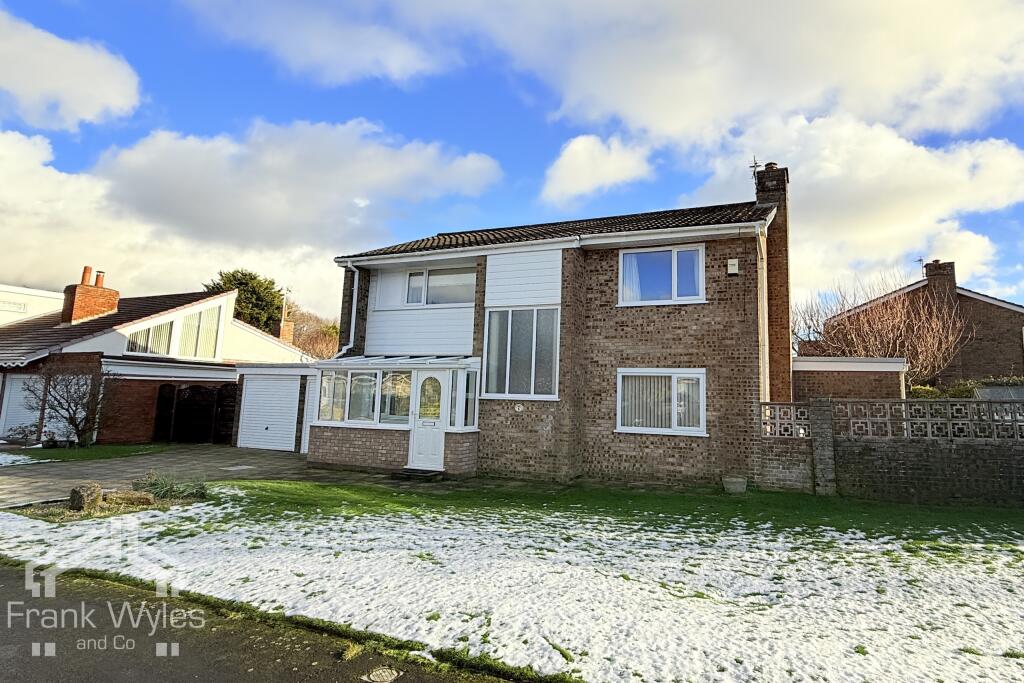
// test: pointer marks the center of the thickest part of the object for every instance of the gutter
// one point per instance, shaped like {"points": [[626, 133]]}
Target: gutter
{"points": [[355, 307]]}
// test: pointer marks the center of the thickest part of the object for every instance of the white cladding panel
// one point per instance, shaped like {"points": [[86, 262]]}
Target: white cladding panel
{"points": [[270, 406], [396, 330], [525, 278], [14, 413]]}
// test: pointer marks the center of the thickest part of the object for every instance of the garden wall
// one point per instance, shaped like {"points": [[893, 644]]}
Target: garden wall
{"points": [[905, 451]]}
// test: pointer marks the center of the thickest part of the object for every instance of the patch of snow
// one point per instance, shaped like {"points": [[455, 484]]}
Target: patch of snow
{"points": [[7, 459], [663, 598], [235, 468]]}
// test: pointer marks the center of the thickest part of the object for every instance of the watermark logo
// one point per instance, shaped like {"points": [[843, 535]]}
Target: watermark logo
{"points": [[47, 588]]}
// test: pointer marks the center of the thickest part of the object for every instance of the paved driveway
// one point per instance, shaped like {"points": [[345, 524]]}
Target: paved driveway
{"points": [[24, 484]]}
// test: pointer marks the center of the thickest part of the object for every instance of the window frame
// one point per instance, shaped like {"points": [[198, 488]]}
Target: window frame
{"points": [[699, 298], [457, 375], [171, 341], [422, 303], [482, 392], [700, 374]]}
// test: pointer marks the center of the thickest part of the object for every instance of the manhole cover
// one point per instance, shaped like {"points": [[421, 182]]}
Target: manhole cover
{"points": [[382, 674]]}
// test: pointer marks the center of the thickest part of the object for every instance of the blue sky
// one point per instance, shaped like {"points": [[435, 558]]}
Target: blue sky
{"points": [[278, 136]]}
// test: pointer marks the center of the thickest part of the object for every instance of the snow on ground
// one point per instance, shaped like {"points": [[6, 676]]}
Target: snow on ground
{"points": [[653, 599], [15, 459]]}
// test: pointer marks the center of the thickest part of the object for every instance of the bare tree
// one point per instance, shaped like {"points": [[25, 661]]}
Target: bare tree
{"points": [[923, 325], [72, 397], [314, 334]]}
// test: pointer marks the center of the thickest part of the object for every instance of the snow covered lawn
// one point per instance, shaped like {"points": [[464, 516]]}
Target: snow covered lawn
{"points": [[711, 592]]}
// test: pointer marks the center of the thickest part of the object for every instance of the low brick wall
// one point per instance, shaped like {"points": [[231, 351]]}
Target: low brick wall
{"points": [[377, 450], [785, 464], [129, 411], [460, 453], [930, 470]]}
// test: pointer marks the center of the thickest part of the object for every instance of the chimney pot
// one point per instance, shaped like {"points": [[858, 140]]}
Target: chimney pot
{"points": [[771, 166], [86, 274], [99, 278]]}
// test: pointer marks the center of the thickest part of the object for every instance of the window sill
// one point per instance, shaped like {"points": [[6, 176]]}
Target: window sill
{"points": [[360, 425], [517, 397], [680, 302], [461, 430], [663, 432]]}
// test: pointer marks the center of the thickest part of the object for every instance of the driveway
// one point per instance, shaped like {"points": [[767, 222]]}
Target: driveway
{"points": [[25, 484]]}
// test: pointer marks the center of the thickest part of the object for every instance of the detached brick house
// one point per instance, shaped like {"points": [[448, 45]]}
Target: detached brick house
{"points": [[996, 348], [167, 362], [632, 347]]}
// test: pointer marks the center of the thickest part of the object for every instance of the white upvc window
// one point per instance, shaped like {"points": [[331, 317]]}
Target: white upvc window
{"points": [[662, 275], [151, 341], [521, 353], [440, 287], [380, 399], [661, 401]]}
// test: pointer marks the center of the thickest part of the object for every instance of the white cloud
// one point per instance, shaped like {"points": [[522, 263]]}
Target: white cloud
{"points": [[587, 164], [333, 45], [161, 230], [303, 183], [688, 71], [49, 82], [866, 199]]}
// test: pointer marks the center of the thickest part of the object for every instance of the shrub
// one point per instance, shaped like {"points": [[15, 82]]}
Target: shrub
{"points": [[921, 391], [963, 388], [166, 486]]}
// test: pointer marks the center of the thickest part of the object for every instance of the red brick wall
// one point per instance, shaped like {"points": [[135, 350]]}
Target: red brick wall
{"points": [[358, 449], [362, 304], [997, 348], [808, 384], [773, 187], [128, 412]]}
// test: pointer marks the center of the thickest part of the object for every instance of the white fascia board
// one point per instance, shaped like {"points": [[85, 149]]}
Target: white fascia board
{"points": [[44, 293], [989, 300], [163, 316], [286, 369], [595, 240], [885, 297], [846, 364], [127, 369]]}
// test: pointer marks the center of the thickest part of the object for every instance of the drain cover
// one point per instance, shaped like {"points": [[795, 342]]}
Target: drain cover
{"points": [[382, 674]]}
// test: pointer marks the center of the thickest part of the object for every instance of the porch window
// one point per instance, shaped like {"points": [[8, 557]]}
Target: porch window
{"points": [[661, 275], [441, 286], [521, 351], [156, 340], [662, 401], [383, 398]]}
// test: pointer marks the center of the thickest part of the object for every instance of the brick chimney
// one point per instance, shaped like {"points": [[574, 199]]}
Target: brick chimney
{"points": [[85, 301], [941, 277], [284, 329], [772, 185]]}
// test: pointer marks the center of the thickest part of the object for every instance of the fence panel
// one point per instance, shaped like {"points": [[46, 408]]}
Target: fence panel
{"points": [[928, 419], [785, 420]]}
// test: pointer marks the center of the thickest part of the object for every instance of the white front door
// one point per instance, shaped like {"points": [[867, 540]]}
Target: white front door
{"points": [[426, 443]]}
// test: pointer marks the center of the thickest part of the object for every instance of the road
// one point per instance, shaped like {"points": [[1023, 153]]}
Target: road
{"points": [[226, 647]]}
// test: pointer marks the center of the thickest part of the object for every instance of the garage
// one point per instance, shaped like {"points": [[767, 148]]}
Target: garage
{"points": [[13, 413], [272, 398]]}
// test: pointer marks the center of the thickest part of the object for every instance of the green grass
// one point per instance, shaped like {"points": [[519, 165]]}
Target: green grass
{"points": [[784, 511], [1014, 654], [94, 452]]}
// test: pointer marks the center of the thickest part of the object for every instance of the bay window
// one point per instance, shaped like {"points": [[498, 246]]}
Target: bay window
{"points": [[661, 401], [661, 275], [521, 353]]}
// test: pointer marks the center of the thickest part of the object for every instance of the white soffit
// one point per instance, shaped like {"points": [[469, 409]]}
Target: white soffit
{"points": [[840, 364]]}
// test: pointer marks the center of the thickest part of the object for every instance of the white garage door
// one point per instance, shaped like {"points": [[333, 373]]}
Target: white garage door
{"points": [[269, 408], [13, 413]]}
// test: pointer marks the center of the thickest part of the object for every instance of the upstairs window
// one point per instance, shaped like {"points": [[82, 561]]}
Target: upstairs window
{"points": [[521, 352], [440, 287], [199, 334], [156, 340], [661, 275]]}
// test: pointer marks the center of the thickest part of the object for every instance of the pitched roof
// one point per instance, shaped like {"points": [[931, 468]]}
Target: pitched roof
{"points": [[25, 340], [722, 214]]}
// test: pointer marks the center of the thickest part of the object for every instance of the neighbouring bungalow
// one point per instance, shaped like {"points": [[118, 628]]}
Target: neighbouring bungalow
{"points": [[167, 362]]}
